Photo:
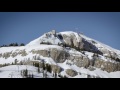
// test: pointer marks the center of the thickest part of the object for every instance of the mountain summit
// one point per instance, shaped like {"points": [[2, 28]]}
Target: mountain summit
{"points": [[68, 53]]}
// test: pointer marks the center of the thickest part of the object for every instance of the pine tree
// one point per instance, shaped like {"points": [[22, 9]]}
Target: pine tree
{"points": [[117, 59], [65, 76], [16, 61], [10, 44], [49, 69], [26, 73], [12, 63], [55, 74], [5, 64], [35, 57], [43, 74], [13, 44], [33, 64], [21, 73], [43, 65], [60, 76], [16, 44], [21, 63], [72, 45], [49, 53], [32, 75], [38, 69], [22, 44]]}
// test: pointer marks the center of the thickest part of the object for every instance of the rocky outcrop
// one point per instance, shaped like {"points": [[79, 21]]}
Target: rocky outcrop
{"points": [[82, 62], [78, 42], [109, 54], [107, 66], [71, 40], [58, 55], [71, 72], [56, 68], [6, 55]]}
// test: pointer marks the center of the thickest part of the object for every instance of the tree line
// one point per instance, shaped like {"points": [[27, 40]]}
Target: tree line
{"points": [[13, 44]]}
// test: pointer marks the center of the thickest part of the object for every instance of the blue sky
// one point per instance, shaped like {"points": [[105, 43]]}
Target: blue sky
{"points": [[26, 26]]}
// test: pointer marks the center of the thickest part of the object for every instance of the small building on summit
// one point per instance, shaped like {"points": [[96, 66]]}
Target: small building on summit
{"points": [[54, 32]]}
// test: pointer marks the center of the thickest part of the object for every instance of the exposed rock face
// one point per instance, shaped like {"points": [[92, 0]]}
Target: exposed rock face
{"points": [[13, 54], [80, 43], [90, 47], [105, 51], [107, 66], [56, 68], [67, 39], [71, 72], [42, 52], [57, 55], [73, 40], [109, 54], [84, 62]]}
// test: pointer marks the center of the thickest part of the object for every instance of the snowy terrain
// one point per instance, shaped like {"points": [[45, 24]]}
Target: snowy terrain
{"points": [[13, 71], [100, 45]]}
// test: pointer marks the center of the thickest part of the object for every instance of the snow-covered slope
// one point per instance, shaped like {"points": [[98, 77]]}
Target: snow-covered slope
{"points": [[47, 37], [50, 48], [27, 49], [98, 44], [14, 71]]}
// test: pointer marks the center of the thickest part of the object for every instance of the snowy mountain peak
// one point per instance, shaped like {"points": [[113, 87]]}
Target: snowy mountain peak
{"points": [[49, 37], [68, 53], [78, 40]]}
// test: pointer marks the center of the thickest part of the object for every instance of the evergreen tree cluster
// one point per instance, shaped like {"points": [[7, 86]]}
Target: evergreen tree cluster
{"points": [[24, 74], [6, 64], [45, 67], [62, 76], [36, 64], [117, 59], [48, 43], [48, 68], [13, 44]]}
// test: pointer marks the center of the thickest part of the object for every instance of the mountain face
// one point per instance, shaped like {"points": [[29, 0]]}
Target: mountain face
{"points": [[69, 53]]}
